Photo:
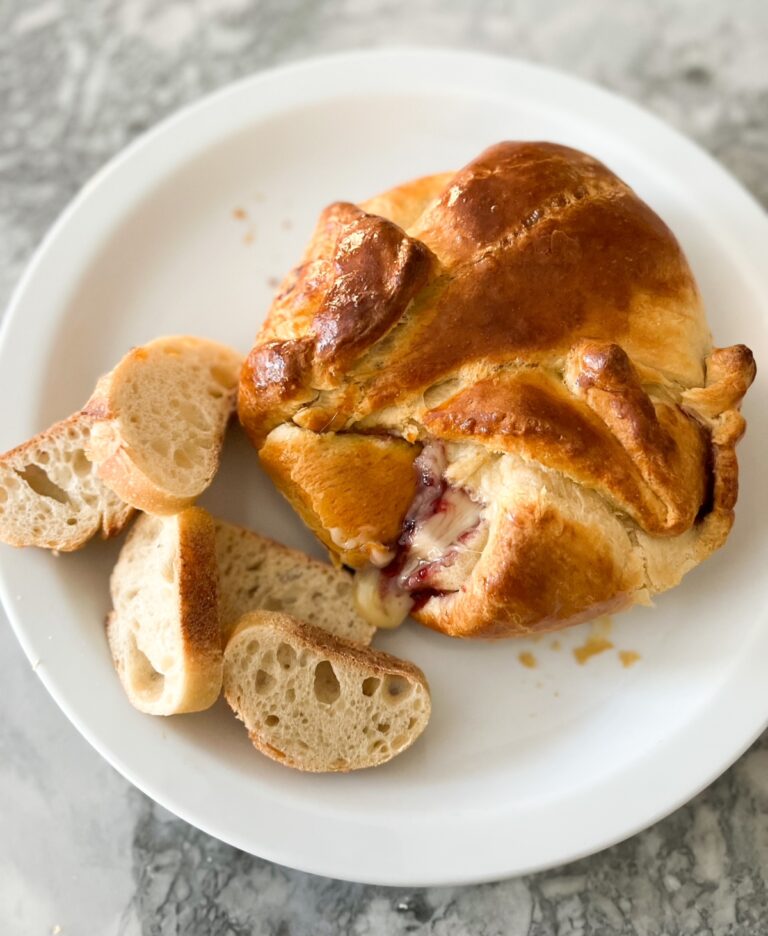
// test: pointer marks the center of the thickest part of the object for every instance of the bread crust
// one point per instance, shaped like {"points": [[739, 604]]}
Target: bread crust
{"points": [[345, 654], [559, 325], [193, 683], [377, 662], [62, 536], [122, 465], [119, 471], [199, 594]]}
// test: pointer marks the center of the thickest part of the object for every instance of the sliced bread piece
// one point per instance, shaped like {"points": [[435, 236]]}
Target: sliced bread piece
{"points": [[160, 418], [256, 573], [317, 702], [164, 631], [50, 494]]}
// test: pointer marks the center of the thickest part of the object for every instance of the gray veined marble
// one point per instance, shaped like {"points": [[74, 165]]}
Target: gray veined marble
{"points": [[83, 854]]}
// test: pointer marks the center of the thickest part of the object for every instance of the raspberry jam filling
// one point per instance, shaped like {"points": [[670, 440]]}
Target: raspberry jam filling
{"points": [[440, 527]]}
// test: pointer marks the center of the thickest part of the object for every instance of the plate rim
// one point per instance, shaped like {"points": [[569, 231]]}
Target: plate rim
{"points": [[416, 56]]}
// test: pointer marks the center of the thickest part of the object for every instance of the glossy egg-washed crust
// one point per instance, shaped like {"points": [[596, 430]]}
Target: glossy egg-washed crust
{"points": [[533, 307]]}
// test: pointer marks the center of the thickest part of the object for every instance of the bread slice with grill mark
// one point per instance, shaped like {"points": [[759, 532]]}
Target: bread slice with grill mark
{"points": [[159, 421], [317, 702], [256, 573], [164, 631], [50, 493]]}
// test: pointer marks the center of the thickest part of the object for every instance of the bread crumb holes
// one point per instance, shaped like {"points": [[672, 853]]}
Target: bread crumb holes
{"points": [[396, 689], [263, 682], [286, 656], [371, 685], [326, 686]]}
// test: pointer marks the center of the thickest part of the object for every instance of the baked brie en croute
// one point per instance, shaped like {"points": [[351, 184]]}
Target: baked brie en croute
{"points": [[493, 393]]}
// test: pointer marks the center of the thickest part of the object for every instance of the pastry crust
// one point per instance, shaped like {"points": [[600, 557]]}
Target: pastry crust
{"points": [[533, 309], [335, 482], [555, 554]]}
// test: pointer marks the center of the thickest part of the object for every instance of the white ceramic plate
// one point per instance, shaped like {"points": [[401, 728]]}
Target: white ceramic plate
{"points": [[520, 768]]}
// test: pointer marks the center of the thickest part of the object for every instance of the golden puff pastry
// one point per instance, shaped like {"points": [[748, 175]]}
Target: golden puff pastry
{"points": [[494, 394]]}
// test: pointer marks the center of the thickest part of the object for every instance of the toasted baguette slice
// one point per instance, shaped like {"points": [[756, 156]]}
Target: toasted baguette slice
{"points": [[317, 702], [164, 630], [160, 418], [50, 494], [256, 573]]}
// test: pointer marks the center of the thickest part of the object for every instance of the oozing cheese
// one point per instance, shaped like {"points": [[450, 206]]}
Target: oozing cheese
{"points": [[377, 554], [381, 605], [433, 537], [386, 600]]}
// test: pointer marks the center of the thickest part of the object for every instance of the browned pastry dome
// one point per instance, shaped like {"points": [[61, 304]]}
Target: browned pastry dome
{"points": [[494, 393]]}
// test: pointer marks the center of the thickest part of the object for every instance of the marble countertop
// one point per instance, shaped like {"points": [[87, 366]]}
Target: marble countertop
{"points": [[81, 851]]}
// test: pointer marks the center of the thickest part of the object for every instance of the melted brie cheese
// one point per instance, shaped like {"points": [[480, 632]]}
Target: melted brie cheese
{"points": [[436, 531], [378, 601], [434, 536], [378, 554]]}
